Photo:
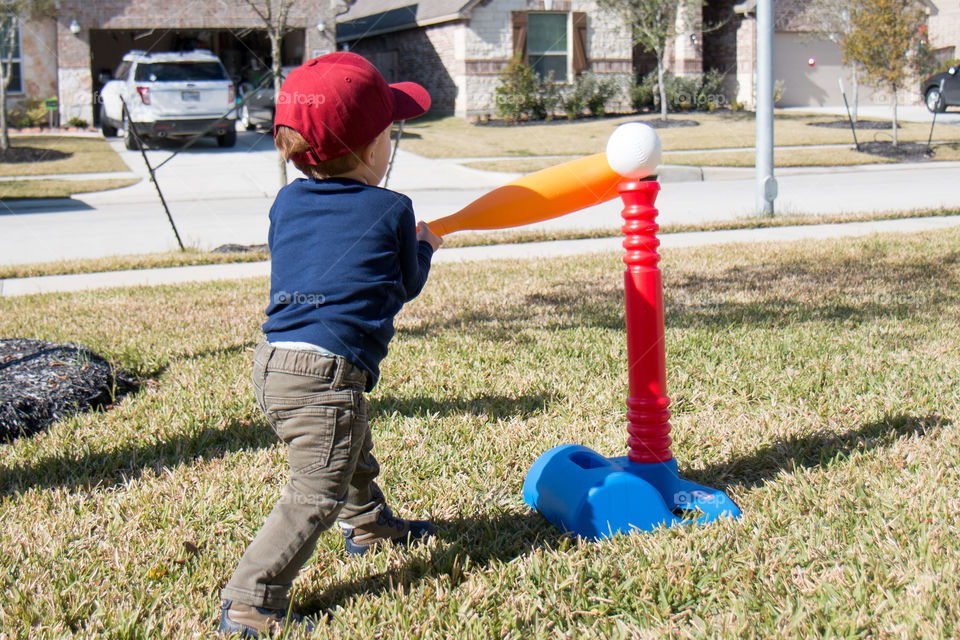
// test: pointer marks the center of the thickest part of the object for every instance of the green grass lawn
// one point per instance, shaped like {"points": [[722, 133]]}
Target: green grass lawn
{"points": [[84, 154], [457, 138], [817, 383]]}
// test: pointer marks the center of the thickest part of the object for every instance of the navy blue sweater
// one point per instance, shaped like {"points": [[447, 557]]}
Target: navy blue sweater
{"points": [[345, 258]]}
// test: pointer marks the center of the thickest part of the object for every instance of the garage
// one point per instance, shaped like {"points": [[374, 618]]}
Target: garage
{"points": [[812, 85]]}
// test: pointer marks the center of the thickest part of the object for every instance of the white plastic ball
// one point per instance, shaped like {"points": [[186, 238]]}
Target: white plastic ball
{"points": [[633, 150]]}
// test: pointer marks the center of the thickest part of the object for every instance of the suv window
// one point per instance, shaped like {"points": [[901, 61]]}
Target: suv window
{"points": [[122, 71], [179, 71]]}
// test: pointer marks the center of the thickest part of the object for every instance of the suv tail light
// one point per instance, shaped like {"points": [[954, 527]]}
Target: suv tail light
{"points": [[231, 94], [144, 94]]}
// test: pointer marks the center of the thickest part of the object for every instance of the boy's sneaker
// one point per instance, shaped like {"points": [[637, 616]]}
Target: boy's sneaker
{"points": [[358, 540], [257, 622]]}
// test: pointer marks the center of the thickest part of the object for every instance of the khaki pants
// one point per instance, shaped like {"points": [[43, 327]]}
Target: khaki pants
{"points": [[315, 404]]}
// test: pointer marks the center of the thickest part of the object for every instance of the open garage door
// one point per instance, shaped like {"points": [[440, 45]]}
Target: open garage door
{"points": [[244, 52]]}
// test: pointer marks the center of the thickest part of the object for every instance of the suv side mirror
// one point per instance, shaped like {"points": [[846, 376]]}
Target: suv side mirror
{"points": [[952, 71]]}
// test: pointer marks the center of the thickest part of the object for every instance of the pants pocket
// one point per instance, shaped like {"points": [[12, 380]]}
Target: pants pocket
{"points": [[310, 433]]}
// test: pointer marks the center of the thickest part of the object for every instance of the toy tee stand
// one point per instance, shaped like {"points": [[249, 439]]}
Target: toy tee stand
{"points": [[583, 492]]}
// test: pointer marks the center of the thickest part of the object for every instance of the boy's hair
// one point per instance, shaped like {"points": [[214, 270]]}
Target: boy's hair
{"points": [[291, 143]]}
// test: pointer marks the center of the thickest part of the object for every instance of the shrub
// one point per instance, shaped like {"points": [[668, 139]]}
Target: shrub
{"points": [[702, 92], [80, 123], [523, 94], [589, 93], [32, 112], [517, 91]]}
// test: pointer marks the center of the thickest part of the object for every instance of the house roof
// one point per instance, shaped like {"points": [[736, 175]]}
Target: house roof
{"points": [[373, 17]]}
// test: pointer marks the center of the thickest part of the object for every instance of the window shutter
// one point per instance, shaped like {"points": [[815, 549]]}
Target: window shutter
{"points": [[579, 42], [520, 35]]}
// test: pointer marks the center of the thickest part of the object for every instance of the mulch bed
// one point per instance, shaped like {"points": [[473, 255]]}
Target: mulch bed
{"points": [[911, 151], [859, 124], [669, 124], [18, 155], [43, 382], [242, 248]]}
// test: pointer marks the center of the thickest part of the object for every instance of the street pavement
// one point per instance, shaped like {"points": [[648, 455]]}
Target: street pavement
{"points": [[220, 196]]}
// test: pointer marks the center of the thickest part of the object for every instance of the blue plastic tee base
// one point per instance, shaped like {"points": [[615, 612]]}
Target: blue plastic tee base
{"points": [[580, 491]]}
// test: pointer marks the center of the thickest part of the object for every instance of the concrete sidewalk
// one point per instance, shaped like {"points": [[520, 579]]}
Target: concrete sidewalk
{"points": [[204, 273]]}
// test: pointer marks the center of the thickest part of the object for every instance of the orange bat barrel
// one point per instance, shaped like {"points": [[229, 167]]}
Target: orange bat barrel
{"points": [[543, 195]]}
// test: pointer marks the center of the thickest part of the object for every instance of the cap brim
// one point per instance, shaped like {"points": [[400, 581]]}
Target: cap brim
{"points": [[410, 100]]}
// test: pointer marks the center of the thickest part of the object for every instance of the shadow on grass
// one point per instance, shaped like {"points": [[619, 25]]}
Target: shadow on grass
{"points": [[502, 537], [810, 451], [492, 406], [466, 543], [104, 468]]}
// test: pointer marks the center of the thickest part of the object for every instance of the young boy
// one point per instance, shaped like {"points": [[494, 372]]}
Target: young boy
{"points": [[346, 255]]}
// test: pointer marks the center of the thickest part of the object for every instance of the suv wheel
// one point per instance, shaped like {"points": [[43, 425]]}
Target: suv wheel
{"points": [[105, 128], [129, 140], [227, 139]]}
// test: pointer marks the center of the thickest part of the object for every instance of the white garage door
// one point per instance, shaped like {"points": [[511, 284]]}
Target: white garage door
{"points": [[814, 85]]}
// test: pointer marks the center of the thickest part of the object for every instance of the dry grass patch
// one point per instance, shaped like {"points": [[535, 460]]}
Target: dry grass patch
{"points": [[456, 138], [42, 188], [817, 383], [86, 154]]}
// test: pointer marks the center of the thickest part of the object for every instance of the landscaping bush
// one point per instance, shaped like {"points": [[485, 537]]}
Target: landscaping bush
{"points": [[521, 93], [32, 112], [78, 122], [702, 92], [589, 93]]}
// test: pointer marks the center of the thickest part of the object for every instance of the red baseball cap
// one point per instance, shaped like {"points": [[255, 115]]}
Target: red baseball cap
{"points": [[339, 102]]}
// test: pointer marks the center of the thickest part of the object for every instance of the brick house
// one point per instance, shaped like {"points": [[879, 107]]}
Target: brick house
{"points": [[70, 55], [456, 48]]}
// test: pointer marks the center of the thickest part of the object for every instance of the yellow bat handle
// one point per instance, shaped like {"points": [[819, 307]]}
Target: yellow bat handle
{"points": [[543, 195]]}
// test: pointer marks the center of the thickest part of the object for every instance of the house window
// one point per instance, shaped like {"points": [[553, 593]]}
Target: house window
{"points": [[547, 44], [10, 44]]}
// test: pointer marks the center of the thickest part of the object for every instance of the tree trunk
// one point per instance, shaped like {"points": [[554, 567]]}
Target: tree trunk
{"points": [[896, 138], [277, 81], [662, 87], [4, 134]]}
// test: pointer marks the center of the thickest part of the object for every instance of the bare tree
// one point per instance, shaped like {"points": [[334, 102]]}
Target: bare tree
{"points": [[11, 16], [274, 15], [655, 24]]}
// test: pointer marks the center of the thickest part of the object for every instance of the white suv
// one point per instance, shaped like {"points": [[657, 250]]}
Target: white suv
{"points": [[169, 94]]}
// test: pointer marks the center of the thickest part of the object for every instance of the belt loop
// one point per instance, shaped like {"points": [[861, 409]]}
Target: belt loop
{"points": [[340, 364]]}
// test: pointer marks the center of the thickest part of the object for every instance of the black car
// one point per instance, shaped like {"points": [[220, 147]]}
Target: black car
{"points": [[257, 107], [951, 90]]}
